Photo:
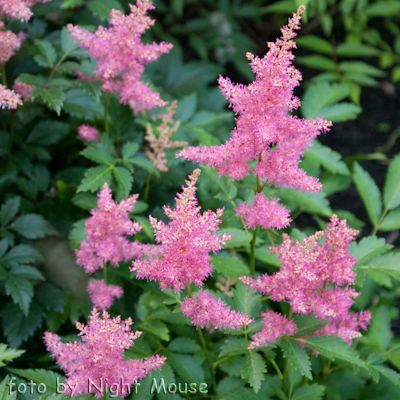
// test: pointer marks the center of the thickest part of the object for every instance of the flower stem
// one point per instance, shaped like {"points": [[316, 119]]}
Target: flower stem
{"points": [[376, 227], [277, 369], [11, 136], [3, 75], [147, 187], [252, 254], [106, 101], [204, 345], [105, 272]]}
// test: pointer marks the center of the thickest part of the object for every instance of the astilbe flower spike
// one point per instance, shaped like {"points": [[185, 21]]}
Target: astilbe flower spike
{"points": [[105, 230], [18, 9], [204, 309], [122, 57], [9, 99], [103, 295], [100, 356], [315, 278], [9, 44], [156, 153], [88, 133], [185, 242], [275, 325]]}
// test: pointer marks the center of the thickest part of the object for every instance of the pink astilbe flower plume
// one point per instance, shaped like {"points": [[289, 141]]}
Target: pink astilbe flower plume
{"points": [[316, 278], [18, 9], [100, 356], [275, 325], [205, 309], [103, 295], [88, 133], [105, 234], [185, 242], [122, 57], [23, 89], [268, 214], [9, 99], [9, 44]]}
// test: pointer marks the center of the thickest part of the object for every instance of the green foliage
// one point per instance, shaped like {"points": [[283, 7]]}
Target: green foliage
{"points": [[253, 369]]}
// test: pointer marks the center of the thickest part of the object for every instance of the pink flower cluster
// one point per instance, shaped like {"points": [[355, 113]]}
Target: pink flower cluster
{"points": [[88, 133], [100, 356], [9, 99], [265, 132], [268, 214], [23, 89], [105, 231], [9, 44], [204, 309], [185, 242], [275, 325], [18, 9], [312, 277], [122, 57], [103, 295]]}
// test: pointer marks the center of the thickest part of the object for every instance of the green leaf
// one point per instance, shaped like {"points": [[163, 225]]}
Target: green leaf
{"points": [[50, 297], [379, 332], [186, 108], [103, 8], [239, 238], [9, 210], [98, 153], [21, 254], [29, 79], [78, 233], [67, 4], [86, 201], [329, 159], [356, 50], [27, 272], [81, 105], [5, 392], [17, 326], [129, 149], [285, 6], [307, 324], [388, 263], [360, 67], [32, 226], [156, 327], [315, 43], [49, 378], [296, 355], [341, 112], [187, 367], [145, 163], [233, 346], [21, 291], [67, 44], [253, 369], [263, 254], [368, 248], [8, 354], [246, 300], [184, 345], [391, 222], [230, 267], [369, 193], [48, 132], [92, 88], [333, 347], [53, 98], [46, 49], [124, 180], [391, 193], [95, 177], [317, 62], [388, 9], [309, 392]]}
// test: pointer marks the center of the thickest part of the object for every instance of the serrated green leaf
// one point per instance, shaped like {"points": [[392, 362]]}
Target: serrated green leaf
{"points": [[29, 79], [307, 324], [187, 367], [360, 67], [98, 153], [95, 177], [81, 105], [369, 193], [9, 210], [233, 346], [5, 392], [77, 234], [379, 332], [315, 43], [309, 392], [341, 112], [124, 181], [230, 267], [356, 50], [92, 88], [67, 44], [17, 326], [317, 62], [329, 159], [388, 373], [156, 327], [32, 226], [239, 237], [21, 291], [8, 354], [391, 222], [390, 9], [53, 98], [48, 132], [103, 8], [50, 297], [296, 355], [368, 248], [129, 149], [49, 378], [246, 300], [144, 163], [27, 272], [391, 193], [46, 49], [184, 345], [86, 201], [21, 254], [333, 347], [320, 96], [253, 369], [388, 264]]}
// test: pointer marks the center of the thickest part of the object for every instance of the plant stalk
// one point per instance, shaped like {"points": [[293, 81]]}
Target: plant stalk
{"points": [[106, 101], [3, 75]]}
